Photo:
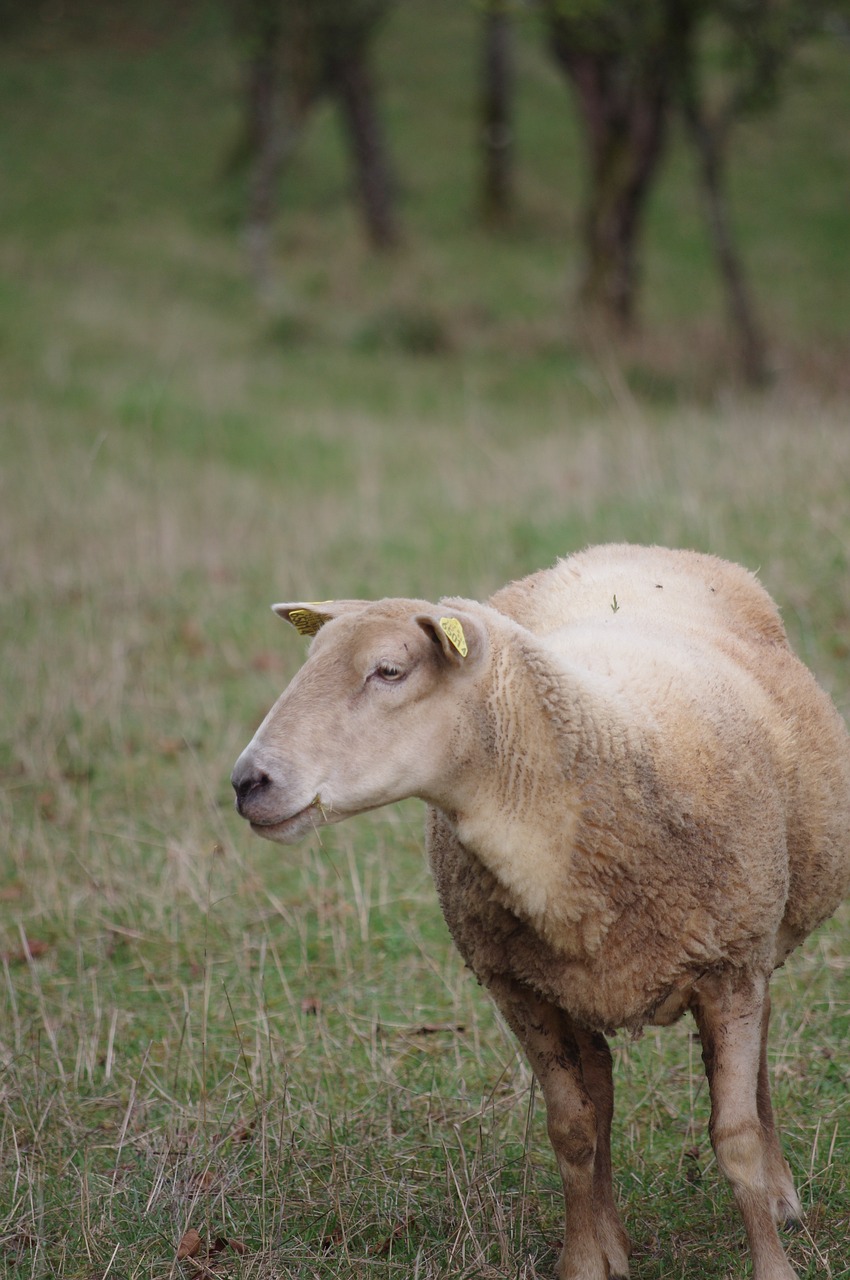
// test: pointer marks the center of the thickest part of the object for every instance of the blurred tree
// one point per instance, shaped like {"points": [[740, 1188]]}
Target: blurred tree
{"points": [[297, 52], [344, 31], [497, 84], [616, 55], [631, 66], [732, 60], [18, 15], [269, 127], [709, 129]]}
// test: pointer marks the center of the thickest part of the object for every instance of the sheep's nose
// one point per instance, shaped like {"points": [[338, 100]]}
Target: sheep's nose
{"points": [[247, 779]]}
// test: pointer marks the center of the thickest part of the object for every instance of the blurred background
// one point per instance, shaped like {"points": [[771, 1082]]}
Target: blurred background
{"points": [[309, 298]]}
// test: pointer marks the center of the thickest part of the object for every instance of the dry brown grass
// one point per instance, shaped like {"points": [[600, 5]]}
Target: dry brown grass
{"points": [[282, 1047]]}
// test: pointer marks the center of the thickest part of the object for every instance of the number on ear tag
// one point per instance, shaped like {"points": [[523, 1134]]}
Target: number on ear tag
{"points": [[454, 631], [307, 621]]}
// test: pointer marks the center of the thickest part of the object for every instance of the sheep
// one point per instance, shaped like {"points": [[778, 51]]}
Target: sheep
{"points": [[638, 805]]}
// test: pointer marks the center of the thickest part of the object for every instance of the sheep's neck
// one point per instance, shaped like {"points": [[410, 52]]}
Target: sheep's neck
{"points": [[542, 732]]}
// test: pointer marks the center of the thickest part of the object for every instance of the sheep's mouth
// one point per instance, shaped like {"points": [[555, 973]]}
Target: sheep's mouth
{"points": [[313, 816], [292, 827]]}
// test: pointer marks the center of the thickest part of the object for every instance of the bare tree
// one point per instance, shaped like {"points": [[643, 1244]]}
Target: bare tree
{"points": [[633, 65], [296, 53], [710, 141], [344, 31], [496, 113], [757, 42], [616, 57]]}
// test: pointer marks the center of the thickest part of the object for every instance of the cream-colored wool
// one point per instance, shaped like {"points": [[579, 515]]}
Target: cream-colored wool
{"points": [[639, 805]]}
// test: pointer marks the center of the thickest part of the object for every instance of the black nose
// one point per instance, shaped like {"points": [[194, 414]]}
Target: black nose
{"points": [[246, 780]]}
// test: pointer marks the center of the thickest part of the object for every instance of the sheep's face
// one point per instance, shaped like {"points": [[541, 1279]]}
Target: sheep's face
{"points": [[373, 716]]}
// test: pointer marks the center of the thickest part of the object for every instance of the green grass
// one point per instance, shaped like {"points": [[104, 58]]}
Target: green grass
{"points": [[280, 1046]]}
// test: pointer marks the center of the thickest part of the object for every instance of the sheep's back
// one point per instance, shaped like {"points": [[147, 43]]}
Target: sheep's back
{"points": [[684, 589]]}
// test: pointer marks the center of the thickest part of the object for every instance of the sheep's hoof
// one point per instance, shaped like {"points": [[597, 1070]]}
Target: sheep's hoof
{"points": [[788, 1212]]}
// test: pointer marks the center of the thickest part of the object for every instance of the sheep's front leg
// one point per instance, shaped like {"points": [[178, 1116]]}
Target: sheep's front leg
{"points": [[731, 1013], [596, 1070], [578, 1114]]}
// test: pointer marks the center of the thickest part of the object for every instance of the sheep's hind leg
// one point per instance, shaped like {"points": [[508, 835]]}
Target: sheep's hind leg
{"points": [[578, 1115], [787, 1210], [731, 1013]]}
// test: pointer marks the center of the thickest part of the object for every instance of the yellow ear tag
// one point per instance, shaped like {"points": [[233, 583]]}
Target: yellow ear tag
{"points": [[307, 621], [454, 631]]}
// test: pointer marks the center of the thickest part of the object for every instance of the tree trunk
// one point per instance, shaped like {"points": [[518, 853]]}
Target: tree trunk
{"points": [[709, 146], [497, 82], [624, 107], [278, 94], [351, 78], [266, 156]]}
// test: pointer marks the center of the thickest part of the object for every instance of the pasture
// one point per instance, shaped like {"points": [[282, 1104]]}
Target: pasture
{"points": [[279, 1048]]}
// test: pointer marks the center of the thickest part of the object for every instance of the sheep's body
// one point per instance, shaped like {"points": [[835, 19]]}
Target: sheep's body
{"points": [[639, 804], [720, 778]]}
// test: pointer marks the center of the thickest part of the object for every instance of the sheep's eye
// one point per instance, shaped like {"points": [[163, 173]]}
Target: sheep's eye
{"points": [[388, 671]]}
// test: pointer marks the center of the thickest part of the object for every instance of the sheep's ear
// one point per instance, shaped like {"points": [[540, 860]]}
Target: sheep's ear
{"points": [[309, 616], [458, 636]]}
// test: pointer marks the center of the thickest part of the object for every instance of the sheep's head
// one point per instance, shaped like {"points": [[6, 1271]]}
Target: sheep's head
{"points": [[374, 715]]}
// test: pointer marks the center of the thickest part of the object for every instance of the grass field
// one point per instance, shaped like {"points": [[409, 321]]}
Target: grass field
{"points": [[279, 1048]]}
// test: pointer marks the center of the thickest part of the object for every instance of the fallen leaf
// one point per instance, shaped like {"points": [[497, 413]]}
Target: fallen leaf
{"points": [[222, 1243], [243, 1132], [189, 1245], [192, 638], [46, 801], [383, 1246], [332, 1240], [21, 1239], [434, 1028], [31, 951]]}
